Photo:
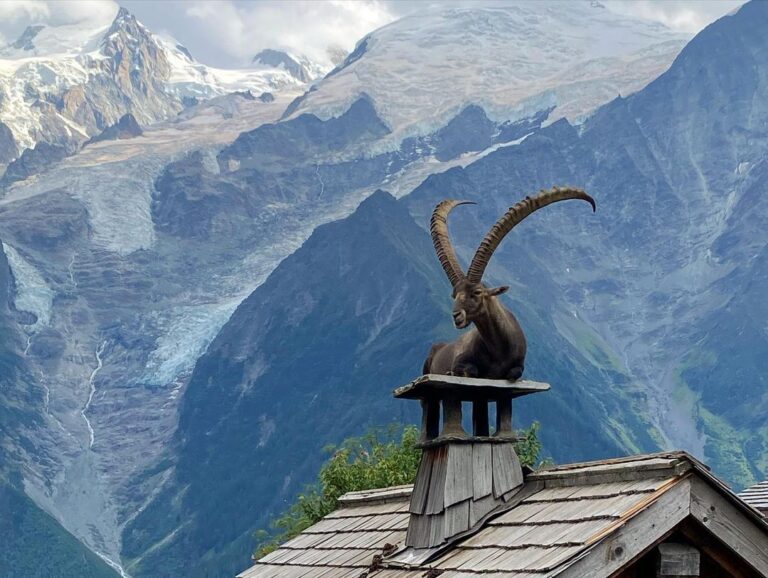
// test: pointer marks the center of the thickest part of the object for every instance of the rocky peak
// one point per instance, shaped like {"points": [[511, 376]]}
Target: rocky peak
{"points": [[8, 148], [280, 59], [25, 41], [125, 128], [137, 60], [124, 21], [125, 31]]}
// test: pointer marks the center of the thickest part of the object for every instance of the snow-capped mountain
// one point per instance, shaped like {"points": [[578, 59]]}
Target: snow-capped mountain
{"points": [[64, 84], [512, 60]]}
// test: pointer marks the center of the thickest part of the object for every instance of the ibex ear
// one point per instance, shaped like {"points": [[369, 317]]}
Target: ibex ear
{"points": [[498, 290]]}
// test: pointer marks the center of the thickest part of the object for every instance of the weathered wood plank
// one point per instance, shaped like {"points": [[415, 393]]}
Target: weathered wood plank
{"points": [[504, 417], [452, 426], [747, 535], [757, 496], [482, 470], [632, 535], [507, 473], [436, 490], [466, 388], [418, 531], [730, 563], [654, 466], [676, 560], [459, 483], [479, 508], [393, 493], [421, 487], [456, 519], [436, 528]]}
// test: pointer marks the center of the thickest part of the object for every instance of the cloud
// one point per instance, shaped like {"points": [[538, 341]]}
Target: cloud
{"points": [[680, 15], [301, 26], [235, 30], [16, 15], [228, 33], [231, 32], [15, 11], [89, 12]]}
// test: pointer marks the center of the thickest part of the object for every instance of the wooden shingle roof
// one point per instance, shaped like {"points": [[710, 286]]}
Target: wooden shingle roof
{"points": [[757, 496], [562, 523]]}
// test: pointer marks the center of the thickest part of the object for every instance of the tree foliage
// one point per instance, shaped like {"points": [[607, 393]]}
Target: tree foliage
{"points": [[383, 457]]}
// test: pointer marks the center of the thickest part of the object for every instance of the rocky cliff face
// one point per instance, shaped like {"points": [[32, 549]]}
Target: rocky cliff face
{"points": [[8, 149], [24, 527], [32, 162], [301, 69], [64, 99], [126, 127]]}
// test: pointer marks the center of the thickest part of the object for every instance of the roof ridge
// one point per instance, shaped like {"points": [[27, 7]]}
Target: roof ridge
{"points": [[678, 454], [376, 495]]}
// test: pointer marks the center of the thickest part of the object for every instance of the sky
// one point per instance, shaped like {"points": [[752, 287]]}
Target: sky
{"points": [[227, 33]]}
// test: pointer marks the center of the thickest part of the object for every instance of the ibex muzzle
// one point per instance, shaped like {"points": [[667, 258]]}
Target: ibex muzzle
{"points": [[495, 347]]}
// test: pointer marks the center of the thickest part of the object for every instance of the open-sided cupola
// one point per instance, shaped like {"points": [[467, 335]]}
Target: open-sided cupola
{"points": [[463, 476]]}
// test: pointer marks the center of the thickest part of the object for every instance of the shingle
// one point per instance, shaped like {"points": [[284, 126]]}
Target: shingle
{"points": [[543, 535], [547, 512], [369, 510], [756, 496]]}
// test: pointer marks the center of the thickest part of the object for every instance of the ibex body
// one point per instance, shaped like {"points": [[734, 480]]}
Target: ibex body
{"points": [[495, 347]]}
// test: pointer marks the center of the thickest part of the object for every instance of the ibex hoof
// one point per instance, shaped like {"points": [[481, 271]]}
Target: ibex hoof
{"points": [[515, 374], [465, 371]]}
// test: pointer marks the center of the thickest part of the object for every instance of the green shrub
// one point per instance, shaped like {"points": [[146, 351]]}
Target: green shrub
{"points": [[383, 457]]}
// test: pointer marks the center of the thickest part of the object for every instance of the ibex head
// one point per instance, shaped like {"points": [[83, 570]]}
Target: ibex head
{"points": [[470, 301], [470, 296]]}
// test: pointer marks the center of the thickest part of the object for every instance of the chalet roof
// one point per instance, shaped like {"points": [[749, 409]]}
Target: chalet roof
{"points": [[562, 523], [757, 496]]}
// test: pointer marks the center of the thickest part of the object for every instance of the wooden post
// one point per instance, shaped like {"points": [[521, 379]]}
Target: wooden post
{"points": [[504, 417], [678, 560], [452, 417], [480, 425]]}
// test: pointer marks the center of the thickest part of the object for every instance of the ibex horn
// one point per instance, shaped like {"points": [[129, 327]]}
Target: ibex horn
{"points": [[512, 217], [438, 228]]}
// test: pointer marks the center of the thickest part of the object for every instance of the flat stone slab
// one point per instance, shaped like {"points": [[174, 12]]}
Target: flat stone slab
{"points": [[467, 388]]}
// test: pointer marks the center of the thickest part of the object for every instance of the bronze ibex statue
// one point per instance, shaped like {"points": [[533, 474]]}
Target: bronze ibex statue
{"points": [[495, 347]]}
